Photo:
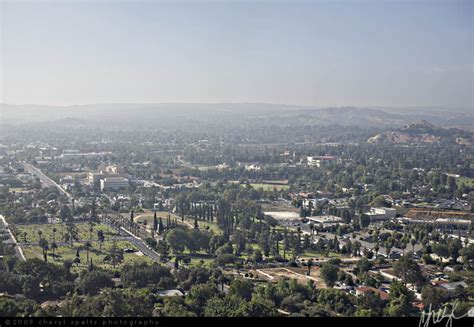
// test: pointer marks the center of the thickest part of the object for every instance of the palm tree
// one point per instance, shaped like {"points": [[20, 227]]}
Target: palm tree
{"points": [[357, 246], [71, 232], [388, 248], [286, 244], [113, 252], [310, 264], [101, 238], [88, 246], [376, 248], [413, 242], [220, 279], [54, 246], [91, 229], [54, 234], [43, 244], [403, 245], [77, 260]]}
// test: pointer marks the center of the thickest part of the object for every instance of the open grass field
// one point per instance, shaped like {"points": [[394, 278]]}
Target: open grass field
{"points": [[465, 180], [47, 232], [148, 217], [269, 187], [211, 226], [206, 262], [65, 251], [313, 254], [200, 258], [18, 189]]}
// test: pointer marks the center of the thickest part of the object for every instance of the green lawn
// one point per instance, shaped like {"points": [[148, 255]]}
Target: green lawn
{"points": [[289, 253], [196, 258], [320, 255], [204, 224], [465, 180], [266, 185], [148, 217], [97, 254], [196, 261], [65, 252], [47, 231], [269, 187]]}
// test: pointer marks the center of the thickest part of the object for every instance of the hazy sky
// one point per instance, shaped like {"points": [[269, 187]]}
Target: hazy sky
{"points": [[358, 53]]}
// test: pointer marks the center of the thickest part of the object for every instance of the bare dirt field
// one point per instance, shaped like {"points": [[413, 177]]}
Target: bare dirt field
{"points": [[275, 274]]}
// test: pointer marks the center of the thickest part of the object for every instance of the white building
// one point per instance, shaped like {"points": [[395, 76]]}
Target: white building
{"points": [[112, 169], [94, 177], [313, 161], [376, 214], [319, 160], [325, 220], [222, 166], [113, 183], [452, 221], [80, 155], [253, 167]]}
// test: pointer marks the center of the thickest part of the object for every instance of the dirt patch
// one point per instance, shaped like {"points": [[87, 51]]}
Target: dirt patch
{"points": [[276, 274]]}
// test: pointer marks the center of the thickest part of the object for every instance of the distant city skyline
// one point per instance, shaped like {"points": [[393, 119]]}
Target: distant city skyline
{"points": [[313, 53]]}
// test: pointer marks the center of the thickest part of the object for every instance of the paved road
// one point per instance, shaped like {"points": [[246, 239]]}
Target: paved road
{"points": [[140, 244], [45, 180], [18, 250]]}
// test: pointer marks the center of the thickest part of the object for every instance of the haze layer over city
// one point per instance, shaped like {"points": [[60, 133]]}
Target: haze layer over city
{"points": [[237, 159]]}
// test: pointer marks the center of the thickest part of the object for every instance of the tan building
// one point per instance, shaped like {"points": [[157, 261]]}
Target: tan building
{"points": [[94, 177], [113, 183], [113, 169], [377, 214]]}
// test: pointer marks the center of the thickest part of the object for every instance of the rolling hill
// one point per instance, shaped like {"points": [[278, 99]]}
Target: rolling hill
{"points": [[424, 132]]}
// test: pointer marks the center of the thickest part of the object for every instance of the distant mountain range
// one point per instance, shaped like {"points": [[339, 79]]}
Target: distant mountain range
{"points": [[171, 115], [425, 132]]}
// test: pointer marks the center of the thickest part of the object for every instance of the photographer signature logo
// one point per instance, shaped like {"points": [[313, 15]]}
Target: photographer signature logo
{"points": [[437, 317]]}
